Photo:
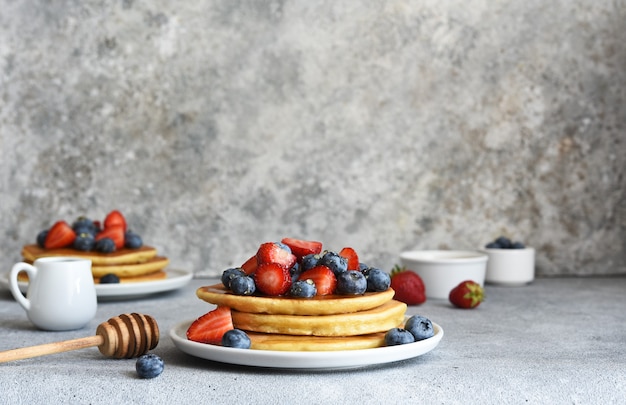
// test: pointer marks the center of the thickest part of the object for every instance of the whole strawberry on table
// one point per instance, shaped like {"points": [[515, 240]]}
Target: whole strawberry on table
{"points": [[468, 294]]}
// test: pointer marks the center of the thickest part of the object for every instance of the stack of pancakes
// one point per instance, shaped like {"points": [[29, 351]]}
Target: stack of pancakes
{"points": [[321, 323], [130, 265]]}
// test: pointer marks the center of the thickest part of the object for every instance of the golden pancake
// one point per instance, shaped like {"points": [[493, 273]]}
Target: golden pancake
{"points": [[121, 256], [157, 275], [132, 270], [268, 341], [320, 305], [379, 319]]}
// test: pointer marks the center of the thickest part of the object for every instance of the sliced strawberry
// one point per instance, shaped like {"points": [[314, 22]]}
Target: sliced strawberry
{"points": [[250, 265], [210, 327], [116, 233], [271, 252], [301, 248], [323, 277], [60, 235], [408, 286], [115, 218], [272, 279], [353, 259]]}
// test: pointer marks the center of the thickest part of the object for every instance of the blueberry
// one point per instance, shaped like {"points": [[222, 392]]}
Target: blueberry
{"points": [[504, 242], [303, 289], [333, 261], [398, 336], [105, 245], [132, 240], [283, 246], [294, 271], [420, 327], [351, 282], [231, 273], [84, 241], [109, 279], [493, 245], [236, 338], [149, 366], [363, 267], [377, 279], [41, 237], [84, 224], [309, 261], [517, 245], [242, 285]]}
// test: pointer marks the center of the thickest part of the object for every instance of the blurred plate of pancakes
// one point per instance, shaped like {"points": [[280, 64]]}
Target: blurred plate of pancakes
{"points": [[332, 359]]}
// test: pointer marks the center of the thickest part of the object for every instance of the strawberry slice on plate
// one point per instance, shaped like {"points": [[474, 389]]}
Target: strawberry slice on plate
{"points": [[210, 327], [60, 235], [323, 277], [301, 248], [272, 279]]}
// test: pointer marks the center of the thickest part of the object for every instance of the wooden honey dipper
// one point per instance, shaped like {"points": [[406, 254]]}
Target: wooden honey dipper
{"points": [[123, 336]]}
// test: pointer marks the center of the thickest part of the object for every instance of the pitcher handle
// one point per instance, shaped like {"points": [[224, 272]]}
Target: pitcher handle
{"points": [[13, 285]]}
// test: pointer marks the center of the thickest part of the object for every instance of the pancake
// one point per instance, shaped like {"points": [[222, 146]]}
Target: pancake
{"points": [[320, 305], [378, 319], [267, 341], [157, 275], [132, 270], [120, 256]]}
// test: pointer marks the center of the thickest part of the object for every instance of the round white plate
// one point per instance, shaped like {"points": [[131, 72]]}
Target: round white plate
{"points": [[126, 291], [302, 360]]}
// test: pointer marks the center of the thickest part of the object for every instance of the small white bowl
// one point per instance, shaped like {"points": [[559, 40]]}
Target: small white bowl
{"points": [[442, 270], [513, 267]]}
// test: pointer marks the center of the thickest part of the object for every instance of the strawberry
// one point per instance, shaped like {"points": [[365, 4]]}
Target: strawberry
{"points": [[301, 248], [353, 259], [468, 294], [272, 279], [323, 277], [115, 232], [408, 286], [210, 327], [60, 235], [271, 252], [250, 265], [115, 218]]}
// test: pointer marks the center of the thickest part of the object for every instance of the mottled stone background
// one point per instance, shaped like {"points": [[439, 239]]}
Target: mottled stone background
{"points": [[384, 125]]}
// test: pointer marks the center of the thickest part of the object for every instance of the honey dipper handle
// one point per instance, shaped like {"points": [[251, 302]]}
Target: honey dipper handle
{"points": [[50, 348]]}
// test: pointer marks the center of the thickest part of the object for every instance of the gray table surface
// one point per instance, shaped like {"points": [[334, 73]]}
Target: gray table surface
{"points": [[557, 341]]}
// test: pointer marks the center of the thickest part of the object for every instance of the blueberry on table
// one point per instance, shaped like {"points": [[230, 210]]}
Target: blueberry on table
{"points": [[149, 366], [420, 327], [398, 336], [236, 338]]}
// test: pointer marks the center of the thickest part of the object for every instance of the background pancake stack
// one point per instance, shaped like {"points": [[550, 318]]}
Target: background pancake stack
{"points": [[130, 265]]}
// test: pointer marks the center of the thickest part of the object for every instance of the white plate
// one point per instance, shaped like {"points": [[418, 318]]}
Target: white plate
{"points": [[126, 291], [302, 360]]}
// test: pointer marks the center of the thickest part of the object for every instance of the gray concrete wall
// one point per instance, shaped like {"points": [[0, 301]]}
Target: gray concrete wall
{"points": [[384, 125]]}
